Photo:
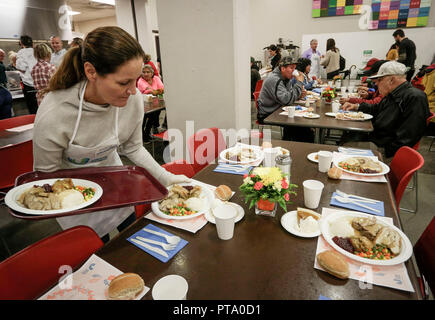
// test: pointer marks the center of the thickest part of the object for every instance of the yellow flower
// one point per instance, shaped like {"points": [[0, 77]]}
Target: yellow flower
{"points": [[268, 175]]}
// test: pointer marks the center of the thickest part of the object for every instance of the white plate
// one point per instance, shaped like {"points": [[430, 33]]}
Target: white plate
{"points": [[206, 195], [289, 222], [385, 168], [366, 117], [406, 249], [312, 158], [302, 108], [240, 213], [330, 114], [259, 155], [313, 116], [15, 193]]}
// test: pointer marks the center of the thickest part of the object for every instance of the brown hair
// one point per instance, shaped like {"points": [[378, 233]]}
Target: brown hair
{"points": [[106, 48], [330, 45], [42, 51]]}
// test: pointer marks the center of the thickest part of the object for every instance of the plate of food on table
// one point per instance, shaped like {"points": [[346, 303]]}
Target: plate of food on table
{"points": [[241, 155], [356, 116], [302, 223], [184, 201], [53, 196], [366, 238], [363, 166]]}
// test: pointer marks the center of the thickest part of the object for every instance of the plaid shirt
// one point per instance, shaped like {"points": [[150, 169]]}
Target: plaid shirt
{"points": [[41, 74]]}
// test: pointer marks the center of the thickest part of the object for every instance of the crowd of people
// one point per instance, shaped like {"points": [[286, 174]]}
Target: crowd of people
{"points": [[399, 102]]}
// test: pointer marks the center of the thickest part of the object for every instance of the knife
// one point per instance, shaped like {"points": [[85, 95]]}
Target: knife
{"points": [[147, 246]]}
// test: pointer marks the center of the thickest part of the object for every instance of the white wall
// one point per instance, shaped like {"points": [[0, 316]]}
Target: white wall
{"points": [[291, 19], [84, 27]]}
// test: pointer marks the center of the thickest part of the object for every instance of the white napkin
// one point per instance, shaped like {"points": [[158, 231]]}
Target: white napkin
{"points": [[387, 276], [90, 282], [338, 156]]}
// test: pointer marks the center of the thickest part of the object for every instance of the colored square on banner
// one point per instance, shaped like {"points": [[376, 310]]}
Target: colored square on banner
{"points": [[392, 24], [358, 2], [349, 2], [404, 4], [384, 15], [332, 3], [323, 12], [332, 12], [324, 3], [374, 24], [383, 24], [376, 7], [340, 11], [316, 13], [422, 21], [375, 15], [341, 3], [395, 5], [403, 14], [394, 14], [424, 12], [401, 23], [415, 4], [317, 4], [413, 12], [425, 3], [412, 22], [348, 10], [357, 9]]}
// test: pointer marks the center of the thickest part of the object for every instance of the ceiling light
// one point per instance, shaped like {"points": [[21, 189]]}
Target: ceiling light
{"points": [[111, 2]]}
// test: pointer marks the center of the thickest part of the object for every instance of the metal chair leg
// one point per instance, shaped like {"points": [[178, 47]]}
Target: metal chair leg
{"points": [[416, 197], [430, 147], [413, 182]]}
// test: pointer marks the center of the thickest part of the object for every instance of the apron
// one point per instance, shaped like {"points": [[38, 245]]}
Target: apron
{"points": [[104, 154], [315, 65]]}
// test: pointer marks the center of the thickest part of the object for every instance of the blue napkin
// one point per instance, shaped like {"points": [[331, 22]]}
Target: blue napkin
{"points": [[360, 152], [378, 205], [317, 90], [151, 236], [324, 298], [222, 169]]}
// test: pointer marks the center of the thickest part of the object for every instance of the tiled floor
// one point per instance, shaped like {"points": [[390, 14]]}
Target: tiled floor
{"points": [[16, 234]]}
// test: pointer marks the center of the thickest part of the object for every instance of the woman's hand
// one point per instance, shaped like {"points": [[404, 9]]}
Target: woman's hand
{"points": [[349, 106], [363, 94], [344, 100], [173, 179]]}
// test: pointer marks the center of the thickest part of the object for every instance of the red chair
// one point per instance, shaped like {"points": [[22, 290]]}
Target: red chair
{"points": [[205, 146], [15, 160], [30, 273], [180, 167], [415, 177], [162, 136], [260, 127], [425, 257], [405, 163], [16, 121], [141, 209], [258, 85]]}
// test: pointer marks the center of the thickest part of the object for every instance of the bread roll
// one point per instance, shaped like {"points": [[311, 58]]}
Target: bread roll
{"points": [[334, 264], [126, 286], [223, 192], [334, 173]]}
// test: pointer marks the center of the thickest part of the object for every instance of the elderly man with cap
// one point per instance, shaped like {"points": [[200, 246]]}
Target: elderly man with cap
{"points": [[278, 91], [399, 119]]}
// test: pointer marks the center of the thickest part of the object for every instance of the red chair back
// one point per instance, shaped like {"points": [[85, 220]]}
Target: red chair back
{"points": [[204, 147], [34, 270], [178, 167], [258, 85], [256, 94], [16, 121], [406, 161], [15, 160], [141, 209], [425, 254]]}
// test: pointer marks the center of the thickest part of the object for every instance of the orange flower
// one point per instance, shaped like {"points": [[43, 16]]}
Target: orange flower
{"points": [[258, 185]]}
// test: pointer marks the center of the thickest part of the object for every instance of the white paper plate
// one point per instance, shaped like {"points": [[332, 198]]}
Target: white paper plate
{"points": [[312, 156], [366, 117], [289, 222], [15, 193], [330, 114], [240, 213], [406, 250], [206, 195], [385, 168], [259, 155], [313, 116]]}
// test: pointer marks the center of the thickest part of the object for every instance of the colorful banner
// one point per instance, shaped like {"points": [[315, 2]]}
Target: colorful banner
{"points": [[328, 8]]}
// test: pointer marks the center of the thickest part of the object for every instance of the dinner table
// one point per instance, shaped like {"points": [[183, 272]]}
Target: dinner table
{"points": [[154, 104], [262, 261]]}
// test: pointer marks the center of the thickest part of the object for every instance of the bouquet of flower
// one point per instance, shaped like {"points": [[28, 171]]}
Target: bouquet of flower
{"points": [[265, 183], [328, 94], [158, 92]]}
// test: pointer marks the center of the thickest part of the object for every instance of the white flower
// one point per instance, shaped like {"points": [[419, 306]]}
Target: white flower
{"points": [[277, 186], [247, 180]]}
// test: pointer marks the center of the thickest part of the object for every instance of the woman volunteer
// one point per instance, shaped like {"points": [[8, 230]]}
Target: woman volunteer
{"points": [[92, 111]]}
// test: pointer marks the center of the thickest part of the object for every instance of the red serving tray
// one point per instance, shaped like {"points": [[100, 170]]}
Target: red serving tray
{"points": [[123, 186]]}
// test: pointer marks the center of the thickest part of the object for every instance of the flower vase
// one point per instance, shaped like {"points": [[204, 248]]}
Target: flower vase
{"points": [[266, 208]]}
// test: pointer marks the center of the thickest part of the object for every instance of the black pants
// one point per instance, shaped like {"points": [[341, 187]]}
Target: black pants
{"points": [[150, 120], [300, 134], [30, 97], [410, 74], [130, 219], [5, 103], [332, 74]]}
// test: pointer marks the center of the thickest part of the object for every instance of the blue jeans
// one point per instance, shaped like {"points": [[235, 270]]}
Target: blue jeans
{"points": [[130, 219], [5, 104]]}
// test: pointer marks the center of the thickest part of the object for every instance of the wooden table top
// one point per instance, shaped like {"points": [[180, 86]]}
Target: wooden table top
{"points": [[324, 122], [154, 105], [262, 260]]}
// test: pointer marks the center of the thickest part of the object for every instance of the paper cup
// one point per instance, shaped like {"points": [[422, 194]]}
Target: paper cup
{"points": [[325, 160], [225, 216], [312, 193], [351, 89], [343, 89], [330, 83], [335, 107], [291, 112], [172, 287], [269, 157]]}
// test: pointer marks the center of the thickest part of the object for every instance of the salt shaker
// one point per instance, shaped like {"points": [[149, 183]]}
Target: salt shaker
{"points": [[284, 161]]}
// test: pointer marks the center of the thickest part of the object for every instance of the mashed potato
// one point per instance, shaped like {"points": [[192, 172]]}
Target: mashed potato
{"points": [[70, 198], [308, 225], [195, 204], [341, 228]]}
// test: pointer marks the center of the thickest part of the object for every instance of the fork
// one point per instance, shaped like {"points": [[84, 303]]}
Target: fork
{"points": [[170, 239], [167, 247]]}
